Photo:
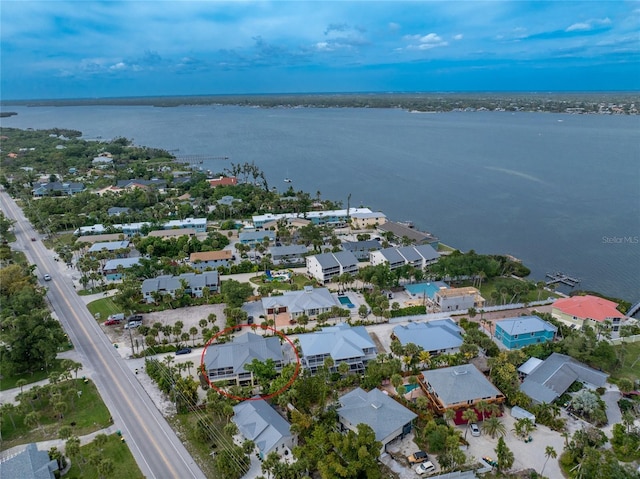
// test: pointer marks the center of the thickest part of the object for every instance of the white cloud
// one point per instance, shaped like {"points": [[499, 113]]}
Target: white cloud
{"points": [[578, 27], [459, 36], [118, 66], [425, 42], [588, 25]]}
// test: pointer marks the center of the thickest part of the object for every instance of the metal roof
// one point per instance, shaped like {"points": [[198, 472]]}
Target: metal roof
{"points": [[460, 384]]}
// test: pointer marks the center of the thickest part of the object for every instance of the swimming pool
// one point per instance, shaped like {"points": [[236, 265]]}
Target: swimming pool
{"points": [[426, 289], [344, 300], [410, 387]]}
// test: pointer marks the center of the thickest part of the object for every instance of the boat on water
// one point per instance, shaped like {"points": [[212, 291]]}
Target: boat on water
{"points": [[287, 180]]}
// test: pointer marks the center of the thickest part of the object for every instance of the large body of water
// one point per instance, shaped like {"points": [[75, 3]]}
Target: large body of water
{"points": [[561, 192]]}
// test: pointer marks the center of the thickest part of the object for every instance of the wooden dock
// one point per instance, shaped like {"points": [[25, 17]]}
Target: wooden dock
{"points": [[562, 278]]}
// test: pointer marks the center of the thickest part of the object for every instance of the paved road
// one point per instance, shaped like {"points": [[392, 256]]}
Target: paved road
{"points": [[156, 448]]}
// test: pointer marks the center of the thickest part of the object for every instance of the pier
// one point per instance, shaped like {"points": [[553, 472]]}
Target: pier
{"points": [[561, 278]]}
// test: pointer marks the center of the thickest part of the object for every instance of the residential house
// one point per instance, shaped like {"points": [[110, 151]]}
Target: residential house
{"points": [[342, 343], [580, 311], [310, 302], [30, 463], [361, 249], [547, 380], [387, 418], [111, 269], [99, 238], [127, 229], [401, 231], [518, 332], [57, 188], [255, 237], [117, 211], [226, 361], [167, 234], [458, 388], [195, 285], [288, 254], [330, 217], [210, 259], [142, 183], [457, 299], [228, 200], [325, 266], [120, 248], [223, 181], [419, 256], [293, 224], [440, 336], [198, 224], [366, 220], [257, 421]]}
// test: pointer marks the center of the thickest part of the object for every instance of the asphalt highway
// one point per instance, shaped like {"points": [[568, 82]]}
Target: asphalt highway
{"points": [[155, 446]]}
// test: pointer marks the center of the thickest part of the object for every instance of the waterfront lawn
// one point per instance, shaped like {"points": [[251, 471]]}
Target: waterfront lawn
{"points": [[124, 465], [490, 291], [9, 381], [84, 414], [629, 368]]}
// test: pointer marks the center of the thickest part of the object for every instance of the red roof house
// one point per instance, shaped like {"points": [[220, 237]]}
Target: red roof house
{"points": [[223, 181], [578, 309]]}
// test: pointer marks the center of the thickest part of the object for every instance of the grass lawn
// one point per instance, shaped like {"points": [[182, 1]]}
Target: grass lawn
{"points": [[488, 286], [629, 353], [87, 412], [299, 280], [124, 465], [9, 382], [105, 307], [200, 449]]}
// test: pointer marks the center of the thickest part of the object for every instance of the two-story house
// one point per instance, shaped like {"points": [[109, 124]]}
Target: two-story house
{"points": [[325, 266]]}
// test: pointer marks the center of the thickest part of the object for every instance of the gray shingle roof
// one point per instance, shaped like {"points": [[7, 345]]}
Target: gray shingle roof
{"points": [[109, 246], [366, 245], [345, 258], [260, 423], [460, 384], [171, 283], [427, 252], [383, 414], [392, 255], [340, 342], [242, 350], [554, 375], [301, 301], [409, 254], [288, 250], [124, 262], [326, 260], [430, 336], [29, 464]]}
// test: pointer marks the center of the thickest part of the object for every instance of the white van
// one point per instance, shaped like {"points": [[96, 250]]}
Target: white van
{"points": [[117, 317]]}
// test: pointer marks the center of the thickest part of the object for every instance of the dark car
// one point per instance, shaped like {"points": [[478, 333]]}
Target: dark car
{"points": [[417, 457], [33, 239], [135, 317], [183, 351]]}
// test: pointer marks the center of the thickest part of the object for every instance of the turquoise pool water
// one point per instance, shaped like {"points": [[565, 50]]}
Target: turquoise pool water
{"points": [[425, 289], [410, 387], [346, 301]]}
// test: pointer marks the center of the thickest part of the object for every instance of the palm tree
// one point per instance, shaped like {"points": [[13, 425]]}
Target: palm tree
{"points": [[494, 427], [549, 451], [470, 416], [449, 414]]}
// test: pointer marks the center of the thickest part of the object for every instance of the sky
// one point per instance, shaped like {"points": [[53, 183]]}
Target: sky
{"points": [[89, 49]]}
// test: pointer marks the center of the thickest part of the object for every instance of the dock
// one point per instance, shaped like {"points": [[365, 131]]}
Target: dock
{"points": [[561, 278]]}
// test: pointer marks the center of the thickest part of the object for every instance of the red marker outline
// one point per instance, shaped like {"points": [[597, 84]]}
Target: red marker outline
{"points": [[265, 328]]}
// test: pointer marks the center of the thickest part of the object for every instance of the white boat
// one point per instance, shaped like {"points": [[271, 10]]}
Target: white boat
{"points": [[287, 180]]}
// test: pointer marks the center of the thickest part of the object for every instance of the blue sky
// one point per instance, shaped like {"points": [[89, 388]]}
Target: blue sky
{"points": [[84, 49]]}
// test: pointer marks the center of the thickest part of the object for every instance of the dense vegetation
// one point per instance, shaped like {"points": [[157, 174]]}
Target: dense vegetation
{"points": [[586, 102]]}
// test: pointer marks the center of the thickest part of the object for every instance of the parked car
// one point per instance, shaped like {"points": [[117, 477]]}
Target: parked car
{"points": [[132, 324], [425, 468], [117, 316], [46, 277], [183, 351], [417, 457], [33, 239], [135, 317], [475, 430], [250, 320], [111, 322]]}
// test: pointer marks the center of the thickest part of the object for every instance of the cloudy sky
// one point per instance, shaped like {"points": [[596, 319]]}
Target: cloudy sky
{"points": [[79, 49]]}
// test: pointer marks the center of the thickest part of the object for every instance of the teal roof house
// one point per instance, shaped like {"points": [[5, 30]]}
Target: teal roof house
{"points": [[516, 333]]}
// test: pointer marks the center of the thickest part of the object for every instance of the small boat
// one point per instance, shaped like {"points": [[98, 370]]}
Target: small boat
{"points": [[287, 180]]}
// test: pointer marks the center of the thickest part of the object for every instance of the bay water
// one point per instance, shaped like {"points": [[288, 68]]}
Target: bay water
{"points": [[561, 192]]}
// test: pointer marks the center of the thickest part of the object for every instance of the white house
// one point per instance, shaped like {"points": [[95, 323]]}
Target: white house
{"points": [[325, 266]]}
